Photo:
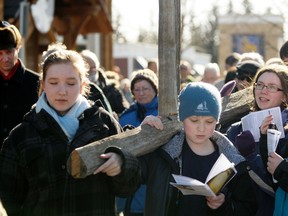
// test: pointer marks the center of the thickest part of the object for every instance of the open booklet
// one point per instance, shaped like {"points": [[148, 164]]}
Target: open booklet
{"points": [[253, 121], [220, 174]]}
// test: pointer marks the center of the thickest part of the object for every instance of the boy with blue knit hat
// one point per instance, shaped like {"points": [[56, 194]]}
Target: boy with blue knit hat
{"points": [[199, 99], [192, 153]]}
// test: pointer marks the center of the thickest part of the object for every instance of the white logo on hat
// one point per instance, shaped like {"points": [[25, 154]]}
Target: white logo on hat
{"points": [[202, 107]]}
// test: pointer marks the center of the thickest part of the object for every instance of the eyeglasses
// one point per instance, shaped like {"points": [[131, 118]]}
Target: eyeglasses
{"points": [[144, 90], [270, 88]]}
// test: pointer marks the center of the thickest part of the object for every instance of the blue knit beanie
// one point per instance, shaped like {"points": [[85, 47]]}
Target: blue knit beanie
{"points": [[199, 99]]}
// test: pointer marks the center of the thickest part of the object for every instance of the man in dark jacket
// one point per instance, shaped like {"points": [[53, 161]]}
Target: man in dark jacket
{"points": [[18, 85]]}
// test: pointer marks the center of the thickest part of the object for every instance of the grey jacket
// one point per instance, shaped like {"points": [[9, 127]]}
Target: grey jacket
{"points": [[158, 167]]}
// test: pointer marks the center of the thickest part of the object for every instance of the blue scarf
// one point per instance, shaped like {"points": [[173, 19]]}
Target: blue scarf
{"points": [[69, 122]]}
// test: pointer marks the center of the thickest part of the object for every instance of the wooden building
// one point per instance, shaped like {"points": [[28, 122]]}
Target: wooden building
{"points": [[70, 19]]}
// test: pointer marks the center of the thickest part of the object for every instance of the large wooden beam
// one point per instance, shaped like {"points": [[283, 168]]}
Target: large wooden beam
{"points": [[168, 54], [84, 161], [139, 141], [236, 105]]}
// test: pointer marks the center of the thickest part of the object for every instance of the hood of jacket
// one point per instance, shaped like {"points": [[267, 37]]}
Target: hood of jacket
{"points": [[174, 147]]}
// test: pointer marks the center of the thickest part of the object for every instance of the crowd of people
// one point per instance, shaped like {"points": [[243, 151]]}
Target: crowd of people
{"points": [[73, 101]]}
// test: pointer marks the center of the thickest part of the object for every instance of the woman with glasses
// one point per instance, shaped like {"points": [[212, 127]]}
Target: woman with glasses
{"points": [[270, 89], [144, 87]]}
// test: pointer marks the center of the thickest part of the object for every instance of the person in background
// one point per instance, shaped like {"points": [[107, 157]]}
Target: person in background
{"points": [[192, 153], [125, 85], [229, 72], [18, 85], [33, 161], [230, 66], [113, 92], [245, 72], [117, 69], [283, 52], [111, 97], [270, 89], [211, 73], [153, 65], [144, 87], [96, 94], [186, 75], [246, 69], [113, 78]]}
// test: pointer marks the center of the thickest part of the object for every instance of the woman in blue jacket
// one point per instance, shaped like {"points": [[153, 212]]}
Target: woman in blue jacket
{"points": [[144, 87]]}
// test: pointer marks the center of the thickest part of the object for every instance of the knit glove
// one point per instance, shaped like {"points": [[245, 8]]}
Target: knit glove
{"points": [[245, 143]]}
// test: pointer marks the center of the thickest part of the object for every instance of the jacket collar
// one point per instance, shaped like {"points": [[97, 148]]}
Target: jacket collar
{"points": [[175, 145]]}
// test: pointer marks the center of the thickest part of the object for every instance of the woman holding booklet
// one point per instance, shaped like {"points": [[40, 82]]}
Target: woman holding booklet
{"points": [[270, 91], [192, 153]]}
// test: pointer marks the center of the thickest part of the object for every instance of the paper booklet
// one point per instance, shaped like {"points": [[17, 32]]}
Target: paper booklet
{"points": [[220, 174], [253, 121]]}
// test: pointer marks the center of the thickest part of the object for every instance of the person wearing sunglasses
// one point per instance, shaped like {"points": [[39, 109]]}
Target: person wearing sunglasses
{"points": [[245, 73], [18, 85], [270, 89]]}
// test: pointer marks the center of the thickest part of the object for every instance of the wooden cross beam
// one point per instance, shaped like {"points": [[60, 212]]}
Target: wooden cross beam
{"points": [[84, 161]]}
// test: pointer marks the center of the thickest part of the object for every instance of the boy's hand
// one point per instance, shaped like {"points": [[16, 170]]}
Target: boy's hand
{"points": [[215, 202]]}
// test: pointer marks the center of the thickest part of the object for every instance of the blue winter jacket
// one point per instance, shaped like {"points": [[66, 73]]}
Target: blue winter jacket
{"points": [[134, 116]]}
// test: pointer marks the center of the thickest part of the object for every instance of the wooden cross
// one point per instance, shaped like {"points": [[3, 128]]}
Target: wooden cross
{"points": [[141, 140]]}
